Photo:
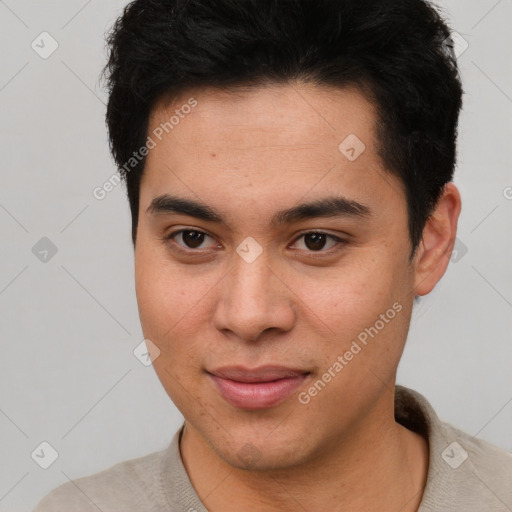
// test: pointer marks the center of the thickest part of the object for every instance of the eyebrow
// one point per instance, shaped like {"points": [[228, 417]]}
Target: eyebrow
{"points": [[333, 206]]}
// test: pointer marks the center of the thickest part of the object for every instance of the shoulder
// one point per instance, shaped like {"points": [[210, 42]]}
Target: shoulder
{"points": [[487, 466], [128, 485], [465, 472]]}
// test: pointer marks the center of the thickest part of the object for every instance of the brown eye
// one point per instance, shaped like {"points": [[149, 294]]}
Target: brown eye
{"points": [[192, 239], [315, 241], [318, 242]]}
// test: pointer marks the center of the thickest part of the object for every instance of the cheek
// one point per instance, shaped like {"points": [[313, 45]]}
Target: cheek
{"points": [[368, 323], [168, 310], [173, 306], [156, 297], [163, 292], [368, 303], [350, 296]]}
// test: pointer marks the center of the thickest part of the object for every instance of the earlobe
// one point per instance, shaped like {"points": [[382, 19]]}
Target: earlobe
{"points": [[437, 243]]}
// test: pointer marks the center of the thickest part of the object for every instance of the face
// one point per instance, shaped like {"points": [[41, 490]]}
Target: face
{"points": [[272, 268]]}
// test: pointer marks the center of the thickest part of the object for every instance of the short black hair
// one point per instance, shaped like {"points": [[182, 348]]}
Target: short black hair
{"points": [[399, 53]]}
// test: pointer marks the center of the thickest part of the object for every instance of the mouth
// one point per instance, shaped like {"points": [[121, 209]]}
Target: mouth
{"points": [[258, 388]]}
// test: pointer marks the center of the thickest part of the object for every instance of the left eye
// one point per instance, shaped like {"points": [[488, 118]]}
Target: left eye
{"points": [[316, 241]]}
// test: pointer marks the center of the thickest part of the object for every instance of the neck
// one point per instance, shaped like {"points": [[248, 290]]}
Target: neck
{"points": [[380, 465]]}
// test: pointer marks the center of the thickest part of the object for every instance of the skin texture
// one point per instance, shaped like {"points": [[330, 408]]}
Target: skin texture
{"points": [[249, 154]]}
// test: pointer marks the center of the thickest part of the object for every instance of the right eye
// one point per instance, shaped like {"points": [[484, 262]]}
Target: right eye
{"points": [[189, 239]]}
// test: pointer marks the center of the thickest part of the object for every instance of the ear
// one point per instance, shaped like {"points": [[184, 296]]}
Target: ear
{"points": [[436, 246]]}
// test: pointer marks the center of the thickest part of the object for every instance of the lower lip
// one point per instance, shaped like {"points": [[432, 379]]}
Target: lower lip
{"points": [[257, 395]]}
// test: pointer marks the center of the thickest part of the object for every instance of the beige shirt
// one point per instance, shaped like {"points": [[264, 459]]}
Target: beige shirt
{"points": [[465, 474]]}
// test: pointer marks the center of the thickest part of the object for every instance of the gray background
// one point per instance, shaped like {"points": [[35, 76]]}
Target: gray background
{"points": [[69, 325]]}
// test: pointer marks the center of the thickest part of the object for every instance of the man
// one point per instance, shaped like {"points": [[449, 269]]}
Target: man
{"points": [[288, 167]]}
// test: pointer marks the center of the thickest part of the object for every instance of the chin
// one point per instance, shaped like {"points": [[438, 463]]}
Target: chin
{"points": [[259, 449]]}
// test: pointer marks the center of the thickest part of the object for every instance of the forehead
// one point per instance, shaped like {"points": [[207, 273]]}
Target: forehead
{"points": [[266, 143], [292, 114]]}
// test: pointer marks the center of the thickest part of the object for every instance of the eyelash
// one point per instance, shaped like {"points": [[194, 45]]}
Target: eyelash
{"points": [[339, 241]]}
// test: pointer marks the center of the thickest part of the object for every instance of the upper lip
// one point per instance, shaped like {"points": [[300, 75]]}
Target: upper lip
{"points": [[260, 374]]}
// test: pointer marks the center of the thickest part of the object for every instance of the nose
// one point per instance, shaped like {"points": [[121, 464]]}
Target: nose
{"points": [[254, 299]]}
